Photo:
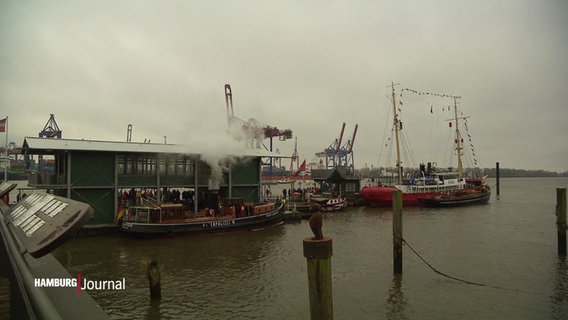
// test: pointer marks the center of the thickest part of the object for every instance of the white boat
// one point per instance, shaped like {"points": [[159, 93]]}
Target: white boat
{"points": [[330, 204]]}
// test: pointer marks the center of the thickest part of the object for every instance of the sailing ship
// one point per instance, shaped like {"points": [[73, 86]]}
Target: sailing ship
{"points": [[430, 181]]}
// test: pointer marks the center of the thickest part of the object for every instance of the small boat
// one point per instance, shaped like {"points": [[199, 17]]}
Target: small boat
{"points": [[329, 204], [233, 215], [476, 195], [300, 202]]}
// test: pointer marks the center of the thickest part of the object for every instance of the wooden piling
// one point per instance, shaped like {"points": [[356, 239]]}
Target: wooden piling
{"points": [[397, 231], [153, 272], [497, 176], [318, 251], [561, 220]]}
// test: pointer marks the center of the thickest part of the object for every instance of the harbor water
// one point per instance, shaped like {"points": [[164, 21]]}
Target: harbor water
{"points": [[492, 261]]}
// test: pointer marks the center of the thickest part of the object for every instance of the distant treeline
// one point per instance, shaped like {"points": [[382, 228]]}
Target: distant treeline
{"points": [[518, 173], [490, 172]]}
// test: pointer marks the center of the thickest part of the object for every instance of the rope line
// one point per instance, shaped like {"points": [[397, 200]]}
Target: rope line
{"points": [[452, 277]]}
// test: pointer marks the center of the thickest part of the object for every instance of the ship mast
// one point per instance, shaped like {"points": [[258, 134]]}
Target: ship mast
{"points": [[396, 124], [458, 139]]}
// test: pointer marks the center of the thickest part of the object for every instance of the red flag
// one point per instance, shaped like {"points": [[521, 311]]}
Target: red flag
{"points": [[3, 124], [300, 169], [303, 166]]}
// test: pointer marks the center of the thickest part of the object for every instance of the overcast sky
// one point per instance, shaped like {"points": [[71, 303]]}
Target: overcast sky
{"points": [[308, 66]]}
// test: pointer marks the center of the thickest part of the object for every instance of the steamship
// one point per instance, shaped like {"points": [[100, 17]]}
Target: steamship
{"points": [[233, 215]]}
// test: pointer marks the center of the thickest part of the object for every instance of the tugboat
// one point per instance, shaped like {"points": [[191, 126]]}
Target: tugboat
{"points": [[233, 215]]}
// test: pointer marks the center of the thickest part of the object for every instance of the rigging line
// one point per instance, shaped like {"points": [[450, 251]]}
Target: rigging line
{"points": [[385, 139], [449, 151], [407, 150], [458, 279]]}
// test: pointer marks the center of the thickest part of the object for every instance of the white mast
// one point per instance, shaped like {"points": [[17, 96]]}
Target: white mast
{"points": [[458, 139], [396, 124]]}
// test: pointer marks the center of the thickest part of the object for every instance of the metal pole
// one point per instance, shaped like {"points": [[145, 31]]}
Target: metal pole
{"points": [[6, 160]]}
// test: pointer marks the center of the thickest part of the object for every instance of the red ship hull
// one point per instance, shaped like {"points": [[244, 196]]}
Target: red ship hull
{"points": [[382, 196]]}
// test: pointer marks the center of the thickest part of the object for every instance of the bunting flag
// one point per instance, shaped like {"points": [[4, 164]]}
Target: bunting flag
{"points": [[119, 214], [420, 93], [3, 124], [470, 142]]}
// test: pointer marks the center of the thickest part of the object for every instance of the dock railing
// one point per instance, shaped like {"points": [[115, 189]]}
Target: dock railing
{"points": [[27, 299]]}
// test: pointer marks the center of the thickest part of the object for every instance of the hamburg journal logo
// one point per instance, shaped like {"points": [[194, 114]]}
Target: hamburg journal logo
{"points": [[82, 284]]}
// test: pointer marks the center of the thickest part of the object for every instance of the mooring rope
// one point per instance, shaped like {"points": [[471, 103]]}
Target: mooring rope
{"points": [[438, 271], [452, 277]]}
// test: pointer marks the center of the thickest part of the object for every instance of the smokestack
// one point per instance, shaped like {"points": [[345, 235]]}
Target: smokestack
{"points": [[214, 200]]}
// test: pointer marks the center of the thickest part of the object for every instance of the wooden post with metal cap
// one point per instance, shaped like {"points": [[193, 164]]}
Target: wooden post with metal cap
{"points": [[561, 220], [318, 251], [397, 231]]}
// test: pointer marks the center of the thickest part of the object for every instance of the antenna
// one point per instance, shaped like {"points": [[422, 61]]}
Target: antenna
{"points": [[129, 133]]}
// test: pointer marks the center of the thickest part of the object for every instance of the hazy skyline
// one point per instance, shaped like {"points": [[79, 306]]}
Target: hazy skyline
{"points": [[305, 66]]}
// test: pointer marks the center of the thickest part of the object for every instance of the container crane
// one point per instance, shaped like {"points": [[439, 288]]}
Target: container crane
{"points": [[252, 131], [338, 155], [295, 157], [51, 129]]}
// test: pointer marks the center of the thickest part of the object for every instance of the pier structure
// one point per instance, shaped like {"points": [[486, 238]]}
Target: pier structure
{"points": [[97, 172]]}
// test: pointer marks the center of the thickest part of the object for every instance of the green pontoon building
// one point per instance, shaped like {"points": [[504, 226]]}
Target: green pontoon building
{"points": [[98, 172]]}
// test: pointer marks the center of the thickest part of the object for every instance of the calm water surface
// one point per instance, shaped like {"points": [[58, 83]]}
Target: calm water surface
{"points": [[508, 247]]}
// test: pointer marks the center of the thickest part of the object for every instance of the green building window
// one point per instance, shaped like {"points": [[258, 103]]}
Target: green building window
{"points": [[137, 165]]}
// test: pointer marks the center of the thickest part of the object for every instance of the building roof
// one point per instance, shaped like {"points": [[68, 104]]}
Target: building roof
{"points": [[333, 175], [35, 145]]}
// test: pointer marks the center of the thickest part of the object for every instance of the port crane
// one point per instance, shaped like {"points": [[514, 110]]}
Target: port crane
{"points": [[295, 157], [252, 131], [338, 155], [51, 129]]}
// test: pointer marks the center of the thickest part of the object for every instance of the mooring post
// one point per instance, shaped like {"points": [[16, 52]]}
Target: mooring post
{"points": [[561, 220], [317, 251], [153, 272], [397, 231], [497, 176]]}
